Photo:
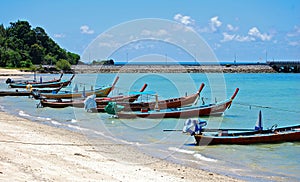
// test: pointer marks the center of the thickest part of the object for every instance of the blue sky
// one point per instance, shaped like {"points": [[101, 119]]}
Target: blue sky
{"points": [[248, 29]]}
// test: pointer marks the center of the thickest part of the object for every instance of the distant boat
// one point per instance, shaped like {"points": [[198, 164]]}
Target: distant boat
{"points": [[182, 112], [9, 80], [49, 84]]}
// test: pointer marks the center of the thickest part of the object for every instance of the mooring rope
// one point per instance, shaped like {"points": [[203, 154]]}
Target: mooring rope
{"points": [[265, 107]]}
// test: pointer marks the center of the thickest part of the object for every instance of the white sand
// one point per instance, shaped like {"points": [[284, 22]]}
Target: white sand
{"points": [[12, 73], [36, 152]]}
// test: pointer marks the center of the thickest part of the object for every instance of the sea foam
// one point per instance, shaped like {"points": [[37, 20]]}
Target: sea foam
{"points": [[203, 158], [22, 113], [181, 150]]}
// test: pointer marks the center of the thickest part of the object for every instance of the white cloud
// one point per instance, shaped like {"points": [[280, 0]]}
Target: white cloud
{"points": [[110, 44], [254, 32], [59, 35], [295, 32], [215, 23], [232, 37], [232, 28], [294, 43], [186, 20], [158, 33], [240, 38], [227, 37], [84, 29]]}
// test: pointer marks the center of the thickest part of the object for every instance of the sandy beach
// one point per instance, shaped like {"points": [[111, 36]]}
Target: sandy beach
{"points": [[36, 152], [13, 73], [33, 151]]}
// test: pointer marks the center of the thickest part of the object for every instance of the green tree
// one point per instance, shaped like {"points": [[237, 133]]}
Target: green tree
{"points": [[49, 59], [2, 31], [63, 64], [37, 53], [13, 58], [26, 64], [73, 58], [19, 29], [20, 45]]}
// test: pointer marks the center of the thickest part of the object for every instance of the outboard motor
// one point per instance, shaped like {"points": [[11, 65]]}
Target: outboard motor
{"points": [[90, 104], [9, 80], [113, 108], [193, 126]]}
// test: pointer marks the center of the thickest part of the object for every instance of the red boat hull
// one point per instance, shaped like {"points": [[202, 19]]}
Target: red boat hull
{"points": [[272, 137], [185, 112]]}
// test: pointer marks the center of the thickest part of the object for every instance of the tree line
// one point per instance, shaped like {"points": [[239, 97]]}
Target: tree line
{"points": [[22, 46]]}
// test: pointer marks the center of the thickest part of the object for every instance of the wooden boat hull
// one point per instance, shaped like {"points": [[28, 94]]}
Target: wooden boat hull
{"points": [[287, 134], [184, 112], [100, 101], [33, 81], [62, 104], [103, 92], [25, 92], [80, 102], [162, 104], [15, 93], [43, 85], [100, 92]]}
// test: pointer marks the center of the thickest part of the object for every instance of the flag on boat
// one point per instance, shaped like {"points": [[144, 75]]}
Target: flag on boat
{"points": [[75, 89], [83, 92], [258, 125]]}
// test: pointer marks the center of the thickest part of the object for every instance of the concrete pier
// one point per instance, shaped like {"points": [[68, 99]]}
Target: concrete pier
{"points": [[285, 66]]}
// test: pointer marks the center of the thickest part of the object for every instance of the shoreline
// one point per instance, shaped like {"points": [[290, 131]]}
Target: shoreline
{"points": [[35, 151], [4, 73]]}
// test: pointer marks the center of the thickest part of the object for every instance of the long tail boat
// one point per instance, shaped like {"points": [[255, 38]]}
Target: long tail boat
{"points": [[99, 92], [242, 137], [15, 93], [129, 98], [62, 104], [161, 104], [9, 80], [216, 109], [42, 85], [80, 102], [33, 92]]}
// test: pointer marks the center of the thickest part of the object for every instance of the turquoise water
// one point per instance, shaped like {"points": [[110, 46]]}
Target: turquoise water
{"points": [[277, 95]]}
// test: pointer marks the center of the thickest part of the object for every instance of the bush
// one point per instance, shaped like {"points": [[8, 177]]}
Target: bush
{"points": [[63, 64], [26, 64]]}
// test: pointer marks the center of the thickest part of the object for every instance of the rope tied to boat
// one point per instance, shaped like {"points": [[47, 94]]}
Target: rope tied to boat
{"points": [[264, 107]]}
